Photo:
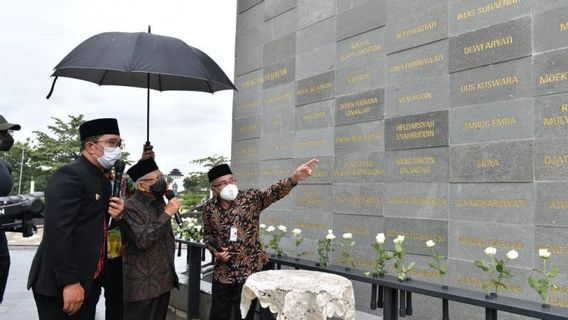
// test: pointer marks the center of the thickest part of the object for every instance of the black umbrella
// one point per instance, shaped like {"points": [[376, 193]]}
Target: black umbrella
{"points": [[142, 60]]}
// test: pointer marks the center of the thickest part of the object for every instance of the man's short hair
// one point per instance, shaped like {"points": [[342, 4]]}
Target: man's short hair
{"points": [[92, 139]]}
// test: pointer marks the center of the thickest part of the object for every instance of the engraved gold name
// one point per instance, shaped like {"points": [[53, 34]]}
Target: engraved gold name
{"points": [[246, 150], [277, 98], [314, 88], [492, 44], [555, 160], [492, 203], [488, 163], [417, 29], [564, 26], [358, 107], [357, 199], [314, 116], [371, 136], [265, 77], [418, 201], [552, 78], [467, 280], [489, 84], [415, 97], [488, 123], [558, 204], [249, 105], [359, 168], [249, 127], [361, 48], [479, 242], [312, 143], [393, 233], [485, 9], [417, 63]]}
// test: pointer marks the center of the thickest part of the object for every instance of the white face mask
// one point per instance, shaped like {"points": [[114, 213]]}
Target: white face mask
{"points": [[229, 193], [110, 156]]}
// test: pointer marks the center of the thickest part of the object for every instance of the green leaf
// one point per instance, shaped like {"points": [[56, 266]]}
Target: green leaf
{"points": [[553, 272], [533, 282], [482, 264], [443, 269], [499, 267], [398, 247]]}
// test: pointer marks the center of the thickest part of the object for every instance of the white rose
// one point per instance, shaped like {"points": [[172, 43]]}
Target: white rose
{"points": [[198, 227], [512, 255], [430, 243], [543, 253], [270, 229], [262, 226], [490, 251], [380, 238], [399, 239], [330, 236], [296, 232], [282, 228], [329, 231], [347, 236]]}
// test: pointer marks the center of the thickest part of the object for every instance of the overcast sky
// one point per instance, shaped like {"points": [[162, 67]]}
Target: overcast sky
{"points": [[37, 34]]}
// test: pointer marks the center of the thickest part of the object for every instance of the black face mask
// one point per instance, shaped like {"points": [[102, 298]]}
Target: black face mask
{"points": [[6, 143], [159, 188]]}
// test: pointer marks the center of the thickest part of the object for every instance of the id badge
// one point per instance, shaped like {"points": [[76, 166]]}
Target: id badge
{"points": [[233, 236]]}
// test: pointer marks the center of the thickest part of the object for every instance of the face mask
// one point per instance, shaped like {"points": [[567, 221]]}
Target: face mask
{"points": [[229, 193], [110, 156], [159, 188], [6, 143]]}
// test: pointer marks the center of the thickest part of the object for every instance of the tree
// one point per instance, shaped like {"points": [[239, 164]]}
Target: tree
{"points": [[14, 160], [196, 183]]}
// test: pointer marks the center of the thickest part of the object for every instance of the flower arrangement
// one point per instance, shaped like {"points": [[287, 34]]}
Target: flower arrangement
{"points": [[298, 239], [190, 230], [437, 264], [398, 254], [381, 256], [325, 246], [277, 235], [346, 256], [542, 285], [496, 269]]}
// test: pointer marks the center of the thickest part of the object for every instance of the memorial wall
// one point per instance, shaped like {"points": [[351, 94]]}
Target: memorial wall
{"points": [[433, 119]]}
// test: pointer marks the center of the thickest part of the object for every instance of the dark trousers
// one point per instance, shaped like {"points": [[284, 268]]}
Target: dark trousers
{"points": [[149, 309], [111, 281], [51, 308], [4, 263]]}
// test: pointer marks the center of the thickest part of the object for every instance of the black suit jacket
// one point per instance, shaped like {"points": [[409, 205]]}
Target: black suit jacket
{"points": [[76, 200]]}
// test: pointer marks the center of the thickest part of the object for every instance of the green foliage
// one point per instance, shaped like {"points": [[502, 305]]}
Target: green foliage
{"points": [[399, 252], [543, 284], [438, 264], [381, 257], [191, 229], [497, 273], [325, 246], [276, 237]]}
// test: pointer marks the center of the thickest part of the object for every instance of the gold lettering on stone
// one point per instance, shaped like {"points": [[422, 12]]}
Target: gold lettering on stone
{"points": [[277, 98], [555, 160], [311, 199], [414, 132], [418, 201], [495, 5], [564, 26], [312, 143], [246, 173], [492, 44], [311, 226], [359, 77], [417, 63], [416, 30], [357, 199], [492, 203], [280, 172], [246, 150], [552, 78], [415, 165], [249, 105], [359, 168], [393, 233], [249, 127], [554, 248], [265, 77], [480, 242], [358, 107], [488, 163], [277, 147], [564, 107], [314, 116], [495, 122], [360, 48], [314, 88], [415, 97], [357, 230], [371, 136], [277, 123], [558, 204], [476, 282], [273, 221], [489, 84]]}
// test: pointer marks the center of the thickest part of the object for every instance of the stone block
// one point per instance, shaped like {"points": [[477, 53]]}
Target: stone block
{"points": [[279, 97], [279, 50], [502, 81], [281, 25], [362, 18], [247, 173], [553, 239], [314, 224], [316, 36], [316, 88], [551, 204], [243, 5], [425, 61], [416, 232], [273, 8], [278, 121], [322, 173], [418, 96], [545, 5], [360, 167], [362, 227], [245, 151], [468, 239], [348, 4], [416, 200], [275, 218], [551, 160], [247, 103], [246, 128], [358, 199], [315, 115], [361, 48], [498, 43], [250, 19], [360, 107], [249, 84], [403, 8], [417, 131], [469, 15], [278, 74], [310, 12], [314, 143], [551, 72], [313, 198], [418, 29], [550, 30], [280, 146], [272, 171], [510, 161], [353, 138], [418, 165], [551, 116], [510, 203], [360, 76], [495, 121], [317, 61], [248, 51]]}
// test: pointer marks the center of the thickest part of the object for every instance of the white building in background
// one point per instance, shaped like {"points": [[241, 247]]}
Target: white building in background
{"points": [[177, 180]]}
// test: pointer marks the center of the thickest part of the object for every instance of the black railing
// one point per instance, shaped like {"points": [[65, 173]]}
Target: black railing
{"points": [[388, 293]]}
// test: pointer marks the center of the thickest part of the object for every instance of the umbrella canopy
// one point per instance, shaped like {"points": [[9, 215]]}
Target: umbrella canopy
{"points": [[142, 60]]}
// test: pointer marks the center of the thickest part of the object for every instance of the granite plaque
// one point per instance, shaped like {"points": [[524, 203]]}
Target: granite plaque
{"points": [[273, 170], [416, 232], [469, 15], [495, 121], [245, 151], [248, 51], [247, 104], [243, 5], [551, 160], [314, 143], [361, 107], [502, 42], [281, 25], [416, 200], [368, 136], [280, 146], [417, 131], [359, 199], [322, 173], [418, 165], [551, 204], [279, 73], [246, 128], [279, 97], [247, 173], [316, 36], [551, 30], [314, 89], [279, 50], [363, 228], [425, 61], [418, 29], [360, 48], [314, 224], [249, 84], [510, 203], [315, 115], [317, 61], [360, 76], [313, 197], [502, 81], [310, 12], [278, 121], [551, 116], [365, 167], [277, 7], [551, 72], [275, 218], [418, 96], [510, 161], [553, 239], [361, 18]]}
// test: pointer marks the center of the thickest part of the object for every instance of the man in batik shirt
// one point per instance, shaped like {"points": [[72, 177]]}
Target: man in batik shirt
{"points": [[231, 233]]}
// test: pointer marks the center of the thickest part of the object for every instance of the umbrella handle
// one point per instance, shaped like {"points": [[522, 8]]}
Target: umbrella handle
{"points": [[52, 86]]}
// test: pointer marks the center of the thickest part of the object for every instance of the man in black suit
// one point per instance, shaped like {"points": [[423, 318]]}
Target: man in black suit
{"points": [[71, 254]]}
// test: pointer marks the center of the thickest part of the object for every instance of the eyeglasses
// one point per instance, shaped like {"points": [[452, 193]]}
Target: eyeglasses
{"points": [[112, 143], [153, 179], [223, 184]]}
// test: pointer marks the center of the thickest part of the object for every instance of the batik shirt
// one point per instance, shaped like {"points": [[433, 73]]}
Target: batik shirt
{"points": [[246, 253]]}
